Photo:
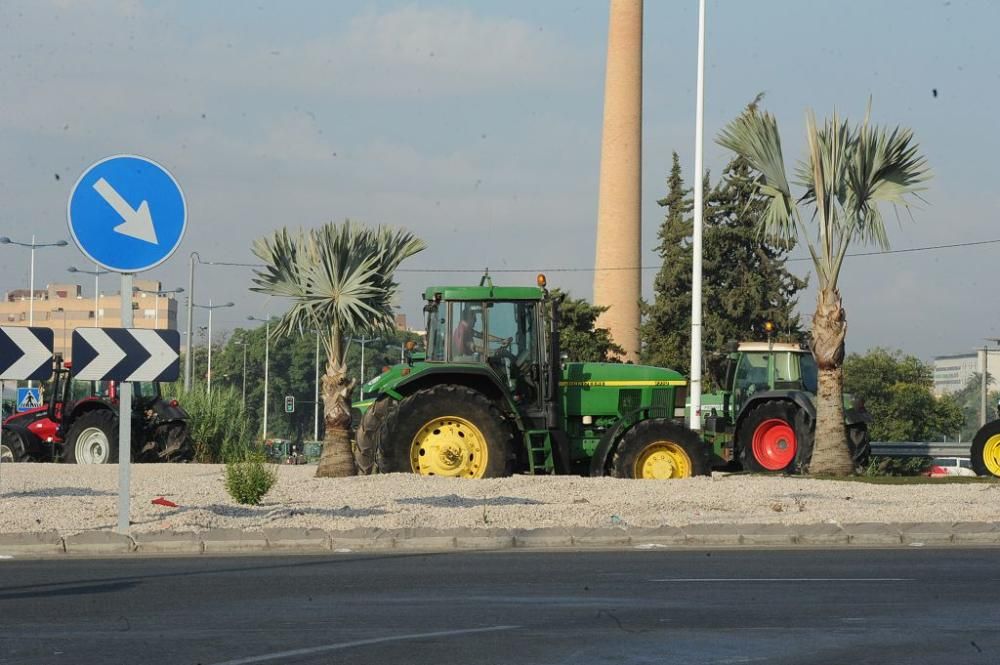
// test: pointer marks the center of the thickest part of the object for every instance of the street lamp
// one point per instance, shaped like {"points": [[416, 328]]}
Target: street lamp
{"points": [[31, 284], [211, 308], [96, 272], [156, 305], [243, 343], [362, 342], [267, 353]]}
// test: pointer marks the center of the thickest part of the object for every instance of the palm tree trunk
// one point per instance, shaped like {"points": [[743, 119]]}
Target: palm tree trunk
{"points": [[337, 460], [831, 454]]}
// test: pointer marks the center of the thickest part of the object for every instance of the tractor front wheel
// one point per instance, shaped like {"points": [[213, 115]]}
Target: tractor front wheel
{"points": [[985, 450], [659, 449], [768, 438], [93, 439], [12, 448], [447, 430]]}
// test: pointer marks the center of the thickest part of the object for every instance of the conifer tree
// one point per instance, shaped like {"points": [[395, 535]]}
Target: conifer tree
{"points": [[746, 281]]}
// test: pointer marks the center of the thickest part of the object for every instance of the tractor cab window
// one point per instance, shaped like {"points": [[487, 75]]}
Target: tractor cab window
{"points": [[810, 373], [146, 391], [466, 331], [512, 346], [437, 331], [81, 390], [751, 377]]}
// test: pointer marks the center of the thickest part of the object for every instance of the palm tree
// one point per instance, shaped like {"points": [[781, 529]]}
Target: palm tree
{"points": [[340, 279], [849, 172]]}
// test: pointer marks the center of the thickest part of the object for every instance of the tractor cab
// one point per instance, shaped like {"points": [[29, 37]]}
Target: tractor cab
{"points": [[758, 367], [497, 328]]}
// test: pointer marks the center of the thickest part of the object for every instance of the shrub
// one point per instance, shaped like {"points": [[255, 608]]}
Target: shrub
{"points": [[249, 478], [218, 424]]}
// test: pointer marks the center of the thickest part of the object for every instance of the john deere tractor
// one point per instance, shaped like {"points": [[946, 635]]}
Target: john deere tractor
{"points": [[765, 418], [491, 397]]}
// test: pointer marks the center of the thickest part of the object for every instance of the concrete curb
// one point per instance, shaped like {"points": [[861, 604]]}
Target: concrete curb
{"points": [[305, 541]]}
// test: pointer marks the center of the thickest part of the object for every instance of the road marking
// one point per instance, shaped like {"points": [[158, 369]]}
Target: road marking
{"points": [[359, 643], [785, 579]]}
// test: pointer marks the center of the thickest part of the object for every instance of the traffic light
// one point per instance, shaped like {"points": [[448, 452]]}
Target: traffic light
{"points": [[289, 404]]}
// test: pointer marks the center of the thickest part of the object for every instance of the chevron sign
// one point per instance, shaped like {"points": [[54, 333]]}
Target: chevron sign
{"points": [[25, 353], [126, 354]]}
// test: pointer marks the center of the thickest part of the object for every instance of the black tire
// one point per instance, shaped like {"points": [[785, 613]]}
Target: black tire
{"points": [[400, 425], [665, 436], [366, 435], [93, 449], [773, 422], [980, 452], [860, 445], [12, 448]]}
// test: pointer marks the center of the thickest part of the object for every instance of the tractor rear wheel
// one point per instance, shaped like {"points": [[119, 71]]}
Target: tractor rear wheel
{"points": [[366, 435], [93, 439], [985, 450], [659, 449], [447, 430], [768, 438], [12, 448]]}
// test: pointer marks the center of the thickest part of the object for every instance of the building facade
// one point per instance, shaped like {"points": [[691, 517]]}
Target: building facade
{"points": [[952, 373], [64, 307]]}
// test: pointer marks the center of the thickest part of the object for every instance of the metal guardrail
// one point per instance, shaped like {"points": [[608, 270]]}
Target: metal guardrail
{"points": [[920, 449]]}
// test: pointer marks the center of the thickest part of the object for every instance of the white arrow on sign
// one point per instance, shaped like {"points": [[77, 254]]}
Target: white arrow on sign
{"points": [[138, 224], [35, 353], [161, 355]]}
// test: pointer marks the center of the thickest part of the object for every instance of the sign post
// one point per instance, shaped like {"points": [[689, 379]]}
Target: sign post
{"points": [[127, 214], [124, 418]]}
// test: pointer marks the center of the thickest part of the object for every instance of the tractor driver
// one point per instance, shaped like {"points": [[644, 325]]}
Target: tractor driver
{"points": [[463, 346]]}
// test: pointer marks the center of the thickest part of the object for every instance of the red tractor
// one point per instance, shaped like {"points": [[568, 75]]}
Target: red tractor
{"points": [[79, 424]]}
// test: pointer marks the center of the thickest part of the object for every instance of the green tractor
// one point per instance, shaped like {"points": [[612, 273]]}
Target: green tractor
{"points": [[492, 397], [765, 418]]}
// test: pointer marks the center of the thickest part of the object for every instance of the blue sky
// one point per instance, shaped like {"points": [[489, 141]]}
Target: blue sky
{"points": [[477, 125]]}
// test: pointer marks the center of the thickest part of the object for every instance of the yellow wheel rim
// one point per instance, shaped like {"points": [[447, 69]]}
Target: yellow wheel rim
{"points": [[991, 455], [449, 446], [663, 460]]}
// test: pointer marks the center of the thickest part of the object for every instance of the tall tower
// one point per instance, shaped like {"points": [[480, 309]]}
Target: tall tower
{"points": [[617, 278]]}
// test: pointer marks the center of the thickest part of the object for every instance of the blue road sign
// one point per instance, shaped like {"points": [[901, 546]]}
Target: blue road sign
{"points": [[127, 213], [28, 399]]}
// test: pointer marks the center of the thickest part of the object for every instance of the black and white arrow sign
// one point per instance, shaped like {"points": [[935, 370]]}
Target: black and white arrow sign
{"points": [[126, 354], [25, 353]]}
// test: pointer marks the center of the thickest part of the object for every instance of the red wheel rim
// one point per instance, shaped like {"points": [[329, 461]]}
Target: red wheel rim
{"points": [[774, 444]]}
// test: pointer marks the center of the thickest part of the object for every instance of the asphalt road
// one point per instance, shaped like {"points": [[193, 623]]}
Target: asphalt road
{"points": [[719, 606]]}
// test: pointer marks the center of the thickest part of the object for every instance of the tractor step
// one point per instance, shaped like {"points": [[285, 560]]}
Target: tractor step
{"points": [[540, 451]]}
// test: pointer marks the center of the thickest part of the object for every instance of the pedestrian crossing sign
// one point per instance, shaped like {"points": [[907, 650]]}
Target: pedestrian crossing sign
{"points": [[28, 399]]}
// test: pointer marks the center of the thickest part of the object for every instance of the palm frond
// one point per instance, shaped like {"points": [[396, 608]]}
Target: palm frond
{"points": [[339, 277]]}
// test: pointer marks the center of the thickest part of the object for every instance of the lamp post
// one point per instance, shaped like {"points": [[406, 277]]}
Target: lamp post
{"points": [[316, 396], [267, 352], [362, 342], [243, 343], [31, 280], [156, 305], [211, 308], [96, 272]]}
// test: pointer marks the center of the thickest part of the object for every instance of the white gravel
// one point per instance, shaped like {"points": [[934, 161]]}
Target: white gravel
{"points": [[69, 499]]}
